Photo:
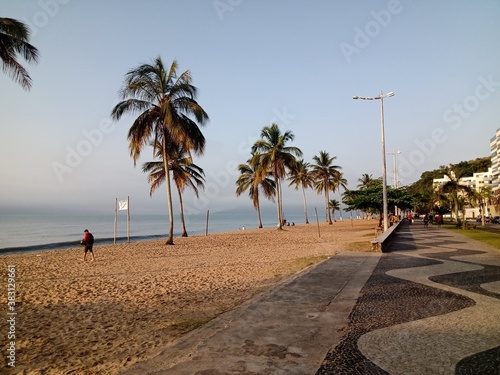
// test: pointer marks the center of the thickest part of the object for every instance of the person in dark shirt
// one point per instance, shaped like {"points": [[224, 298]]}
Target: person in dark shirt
{"points": [[88, 243]]}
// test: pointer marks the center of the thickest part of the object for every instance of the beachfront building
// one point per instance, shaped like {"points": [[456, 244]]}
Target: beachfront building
{"points": [[475, 182], [495, 159], [479, 180]]}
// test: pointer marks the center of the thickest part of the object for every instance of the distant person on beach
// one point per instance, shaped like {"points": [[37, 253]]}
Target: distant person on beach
{"points": [[88, 243]]}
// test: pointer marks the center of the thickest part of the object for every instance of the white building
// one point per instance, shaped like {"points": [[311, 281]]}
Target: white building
{"points": [[490, 178], [495, 159], [475, 182]]}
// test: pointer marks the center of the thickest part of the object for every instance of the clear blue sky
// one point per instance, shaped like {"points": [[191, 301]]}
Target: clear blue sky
{"points": [[296, 63]]}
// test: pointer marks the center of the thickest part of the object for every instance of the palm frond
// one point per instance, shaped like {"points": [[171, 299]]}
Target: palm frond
{"points": [[14, 37]]}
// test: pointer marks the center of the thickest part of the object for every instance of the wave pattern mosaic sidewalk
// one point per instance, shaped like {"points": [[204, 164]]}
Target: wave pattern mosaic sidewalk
{"points": [[431, 306]]}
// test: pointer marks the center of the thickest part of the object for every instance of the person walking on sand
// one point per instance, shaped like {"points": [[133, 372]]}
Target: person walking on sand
{"points": [[88, 243]]}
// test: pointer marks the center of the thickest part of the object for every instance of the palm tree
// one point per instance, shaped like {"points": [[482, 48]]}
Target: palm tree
{"points": [[184, 172], [326, 176], [365, 181], [483, 197], [14, 37], [333, 205], [454, 189], [276, 157], [252, 179], [301, 176], [168, 114]]}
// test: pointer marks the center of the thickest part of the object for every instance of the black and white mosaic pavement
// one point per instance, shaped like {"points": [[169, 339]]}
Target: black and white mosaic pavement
{"points": [[431, 306]]}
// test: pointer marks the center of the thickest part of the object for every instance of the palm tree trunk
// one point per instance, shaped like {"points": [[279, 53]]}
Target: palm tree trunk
{"points": [[278, 194], [483, 219], [327, 199], [326, 207], [305, 204], [183, 223], [281, 200], [170, 239], [456, 209], [258, 215], [340, 205]]}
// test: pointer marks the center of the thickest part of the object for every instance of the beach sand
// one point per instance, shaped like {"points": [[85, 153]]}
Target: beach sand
{"points": [[75, 317]]}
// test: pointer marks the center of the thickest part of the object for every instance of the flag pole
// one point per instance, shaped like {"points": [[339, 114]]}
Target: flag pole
{"points": [[114, 232], [206, 224], [317, 221], [128, 218]]}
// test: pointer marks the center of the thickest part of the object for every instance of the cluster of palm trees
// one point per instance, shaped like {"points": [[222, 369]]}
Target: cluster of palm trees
{"points": [[169, 120], [272, 162], [168, 114]]}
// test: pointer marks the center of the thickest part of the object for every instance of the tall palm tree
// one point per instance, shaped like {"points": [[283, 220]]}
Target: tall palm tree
{"points": [[184, 173], [300, 175], [14, 40], [326, 176], [483, 197], [454, 189], [168, 115], [276, 157], [253, 180]]}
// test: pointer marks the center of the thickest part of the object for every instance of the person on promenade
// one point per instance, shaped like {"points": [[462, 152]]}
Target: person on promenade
{"points": [[439, 220], [88, 243], [409, 218]]}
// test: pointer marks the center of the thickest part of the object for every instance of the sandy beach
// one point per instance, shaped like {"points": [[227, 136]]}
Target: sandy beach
{"points": [[75, 317]]}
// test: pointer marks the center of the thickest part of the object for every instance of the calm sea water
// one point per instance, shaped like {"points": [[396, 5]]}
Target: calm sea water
{"points": [[28, 233]]}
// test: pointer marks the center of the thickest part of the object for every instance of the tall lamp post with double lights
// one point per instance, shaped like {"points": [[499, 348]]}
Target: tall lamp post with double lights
{"points": [[384, 175], [395, 154]]}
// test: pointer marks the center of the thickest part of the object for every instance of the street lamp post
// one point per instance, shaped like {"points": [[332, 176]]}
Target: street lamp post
{"points": [[384, 174], [395, 154]]}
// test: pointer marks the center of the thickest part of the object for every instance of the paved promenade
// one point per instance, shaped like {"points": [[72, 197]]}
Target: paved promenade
{"points": [[431, 305]]}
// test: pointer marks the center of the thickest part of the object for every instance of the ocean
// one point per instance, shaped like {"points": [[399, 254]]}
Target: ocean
{"points": [[21, 233]]}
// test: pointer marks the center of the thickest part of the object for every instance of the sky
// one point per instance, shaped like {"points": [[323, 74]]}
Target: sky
{"points": [[294, 63]]}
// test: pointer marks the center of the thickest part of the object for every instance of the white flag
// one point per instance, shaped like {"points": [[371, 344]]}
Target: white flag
{"points": [[123, 205]]}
